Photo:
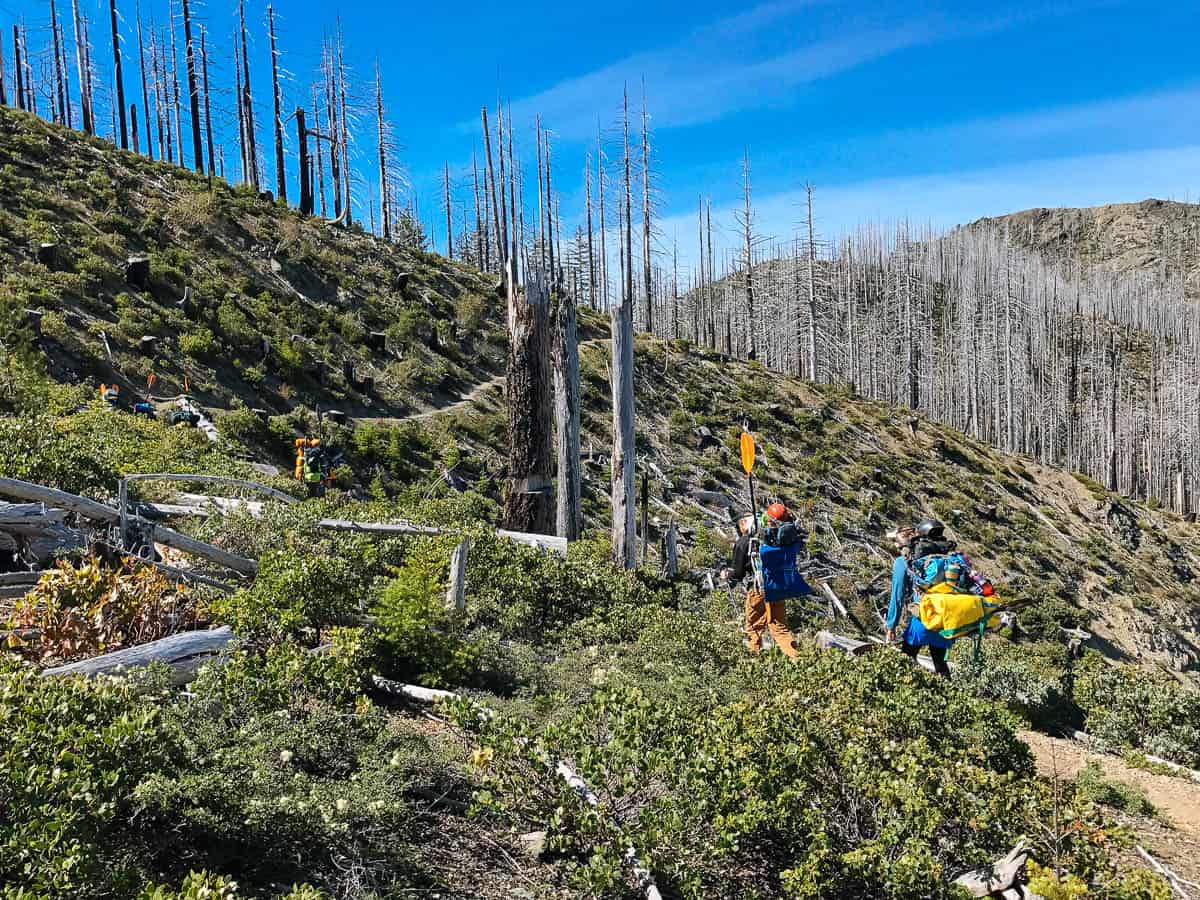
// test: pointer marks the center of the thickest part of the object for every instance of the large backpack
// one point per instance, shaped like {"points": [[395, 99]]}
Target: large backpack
{"points": [[780, 578], [951, 568], [953, 612]]}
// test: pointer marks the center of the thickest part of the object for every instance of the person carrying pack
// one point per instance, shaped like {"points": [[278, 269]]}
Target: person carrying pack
{"points": [[950, 598], [769, 555]]}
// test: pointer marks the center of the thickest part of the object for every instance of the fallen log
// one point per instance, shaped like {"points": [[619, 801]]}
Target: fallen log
{"points": [[91, 509], [827, 640], [184, 653], [12, 578], [541, 541]]}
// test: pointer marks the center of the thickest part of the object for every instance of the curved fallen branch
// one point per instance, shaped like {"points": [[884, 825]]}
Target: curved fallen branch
{"points": [[184, 653]]}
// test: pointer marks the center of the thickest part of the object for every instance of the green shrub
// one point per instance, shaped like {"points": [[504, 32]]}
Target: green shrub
{"points": [[295, 593], [197, 344], [1093, 786], [241, 425], [1131, 708]]}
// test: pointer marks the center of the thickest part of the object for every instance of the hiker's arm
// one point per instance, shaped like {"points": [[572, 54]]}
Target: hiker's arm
{"points": [[899, 589]]}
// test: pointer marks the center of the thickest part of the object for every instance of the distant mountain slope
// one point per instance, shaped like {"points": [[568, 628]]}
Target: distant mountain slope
{"points": [[1161, 237]]}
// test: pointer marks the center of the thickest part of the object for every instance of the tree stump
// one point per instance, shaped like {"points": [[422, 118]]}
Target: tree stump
{"points": [[148, 345], [336, 416], [266, 196], [402, 282], [137, 272], [912, 424], [377, 340], [366, 384], [47, 255], [348, 370], [33, 320]]}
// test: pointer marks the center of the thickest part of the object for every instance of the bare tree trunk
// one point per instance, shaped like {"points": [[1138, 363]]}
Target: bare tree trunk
{"points": [[306, 192], [449, 232], [3, 94], [189, 50], [335, 166], [812, 291], [30, 83], [566, 417], [319, 163], [176, 107], [624, 534], [587, 185], [603, 248], [500, 231], [208, 130], [133, 126], [247, 104], [60, 73], [19, 86], [280, 171], [528, 504], [85, 79], [647, 285], [344, 124], [162, 111], [748, 260], [479, 234], [116, 44], [383, 178], [145, 89]]}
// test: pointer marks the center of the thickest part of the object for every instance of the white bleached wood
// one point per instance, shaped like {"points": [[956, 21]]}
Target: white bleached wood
{"points": [[185, 653]]}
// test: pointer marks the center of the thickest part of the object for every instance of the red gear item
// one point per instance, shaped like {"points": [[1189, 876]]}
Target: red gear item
{"points": [[779, 513]]}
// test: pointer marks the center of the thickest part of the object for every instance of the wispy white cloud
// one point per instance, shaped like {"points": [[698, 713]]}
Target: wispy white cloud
{"points": [[739, 62]]}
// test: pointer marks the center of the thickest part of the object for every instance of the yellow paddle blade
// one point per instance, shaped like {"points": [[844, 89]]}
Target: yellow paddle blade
{"points": [[747, 452]]}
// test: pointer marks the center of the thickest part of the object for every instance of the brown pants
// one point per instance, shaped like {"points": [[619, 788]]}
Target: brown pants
{"points": [[762, 616]]}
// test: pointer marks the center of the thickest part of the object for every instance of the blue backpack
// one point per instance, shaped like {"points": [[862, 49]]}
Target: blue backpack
{"points": [[781, 580], [951, 567]]}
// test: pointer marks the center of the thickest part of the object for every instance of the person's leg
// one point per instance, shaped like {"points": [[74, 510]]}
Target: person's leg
{"points": [[909, 650], [777, 623], [938, 655], [756, 619]]}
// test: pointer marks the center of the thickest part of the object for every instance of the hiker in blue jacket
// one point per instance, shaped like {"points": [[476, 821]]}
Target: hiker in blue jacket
{"points": [[916, 635]]}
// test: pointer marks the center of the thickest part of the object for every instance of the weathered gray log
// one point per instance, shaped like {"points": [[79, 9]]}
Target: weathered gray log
{"points": [[90, 509], [203, 422], [13, 515], [411, 691], [827, 640], [184, 653], [996, 878], [456, 592], [8, 579], [542, 541]]}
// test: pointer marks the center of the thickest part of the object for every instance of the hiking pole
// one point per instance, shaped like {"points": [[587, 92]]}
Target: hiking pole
{"points": [[843, 609]]}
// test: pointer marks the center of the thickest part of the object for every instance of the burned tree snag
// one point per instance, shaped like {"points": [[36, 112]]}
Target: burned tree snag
{"points": [[528, 501], [116, 43], [189, 51], [207, 103], [624, 534], [384, 206], [306, 191], [566, 416], [60, 73], [280, 172], [247, 104], [19, 82], [145, 89]]}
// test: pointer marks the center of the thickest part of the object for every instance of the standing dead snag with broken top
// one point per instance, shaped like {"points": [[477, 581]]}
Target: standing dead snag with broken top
{"points": [[280, 173], [528, 503]]}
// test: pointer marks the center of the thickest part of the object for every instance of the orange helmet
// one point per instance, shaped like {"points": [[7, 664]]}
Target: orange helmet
{"points": [[777, 512]]}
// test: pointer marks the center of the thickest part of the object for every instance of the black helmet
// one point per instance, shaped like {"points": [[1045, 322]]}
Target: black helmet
{"points": [[930, 528]]}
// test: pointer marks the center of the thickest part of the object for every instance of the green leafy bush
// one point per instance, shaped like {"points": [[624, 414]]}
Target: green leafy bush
{"points": [[1130, 708], [1093, 786]]}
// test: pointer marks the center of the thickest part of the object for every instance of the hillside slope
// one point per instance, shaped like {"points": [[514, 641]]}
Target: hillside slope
{"points": [[249, 302], [1159, 237]]}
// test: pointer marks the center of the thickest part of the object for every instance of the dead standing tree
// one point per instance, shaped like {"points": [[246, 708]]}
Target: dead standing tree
{"points": [[280, 171], [624, 533], [189, 50], [246, 108], [120, 100], [137, 12]]}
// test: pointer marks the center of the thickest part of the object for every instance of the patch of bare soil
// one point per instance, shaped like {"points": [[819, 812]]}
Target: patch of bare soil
{"points": [[1174, 840]]}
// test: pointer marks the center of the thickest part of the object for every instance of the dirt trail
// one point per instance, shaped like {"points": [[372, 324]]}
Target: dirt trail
{"points": [[1175, 841]]}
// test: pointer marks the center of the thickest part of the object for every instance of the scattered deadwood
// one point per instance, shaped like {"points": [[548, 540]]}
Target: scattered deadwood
{"points": [[1001, 879], [1183, 771], [184, 653], [91, 509], [456, 592], [827, 640], [643, 877], [541, 541], [1178, 884]]}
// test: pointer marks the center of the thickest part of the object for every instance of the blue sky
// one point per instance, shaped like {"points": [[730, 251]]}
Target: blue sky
{"points": [[939, 112]]}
